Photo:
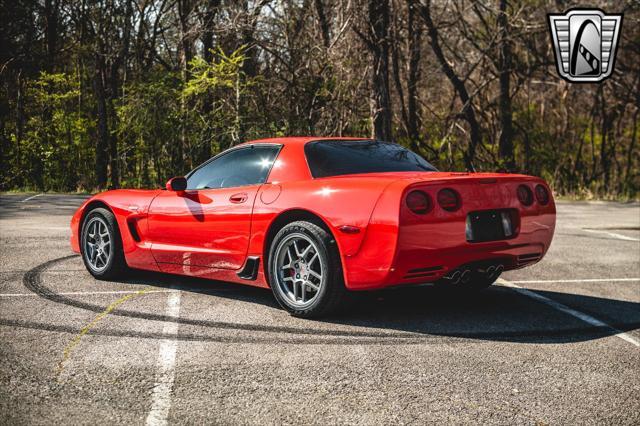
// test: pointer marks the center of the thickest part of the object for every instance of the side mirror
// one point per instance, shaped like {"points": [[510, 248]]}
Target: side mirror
{"points": [[178, 183]]}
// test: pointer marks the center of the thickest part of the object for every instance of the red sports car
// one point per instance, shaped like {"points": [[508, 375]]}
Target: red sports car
{"points": [[314, 218]]}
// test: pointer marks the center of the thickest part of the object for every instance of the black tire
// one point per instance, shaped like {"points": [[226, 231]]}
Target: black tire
{"points": [[331, 293], [116, 265]]}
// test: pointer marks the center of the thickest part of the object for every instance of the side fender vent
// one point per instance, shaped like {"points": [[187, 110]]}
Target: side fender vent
{"points": [[133, 230]]}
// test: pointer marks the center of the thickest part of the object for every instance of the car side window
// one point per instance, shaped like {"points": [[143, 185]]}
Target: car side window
{"points": [[240, 167]]}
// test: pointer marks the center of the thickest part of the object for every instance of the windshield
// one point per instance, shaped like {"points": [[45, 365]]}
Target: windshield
{"points": [[346, 157]]}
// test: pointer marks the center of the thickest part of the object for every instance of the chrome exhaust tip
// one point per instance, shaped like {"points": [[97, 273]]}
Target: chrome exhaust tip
{"points": [[465, 277], [455, 277], [487, 271], [496, 272]]}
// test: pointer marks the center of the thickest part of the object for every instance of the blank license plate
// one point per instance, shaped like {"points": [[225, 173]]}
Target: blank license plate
{"points": [[489, 225]]}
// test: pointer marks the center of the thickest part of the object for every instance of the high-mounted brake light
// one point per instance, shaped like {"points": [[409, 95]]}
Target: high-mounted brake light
{"points": [[542, 195], [525, 195], [419, 202], [449, 199]]}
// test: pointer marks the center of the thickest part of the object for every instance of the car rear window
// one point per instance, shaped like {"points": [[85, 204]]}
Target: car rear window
{"points": [[340, 157]]}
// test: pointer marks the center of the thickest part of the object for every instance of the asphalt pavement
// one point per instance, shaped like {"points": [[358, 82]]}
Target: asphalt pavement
{"points": [[555, 343]]}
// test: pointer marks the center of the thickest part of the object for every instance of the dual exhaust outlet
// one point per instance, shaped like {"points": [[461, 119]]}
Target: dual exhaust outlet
{"points": [[464, 275]]}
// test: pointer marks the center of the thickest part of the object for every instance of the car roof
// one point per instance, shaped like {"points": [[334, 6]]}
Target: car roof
{"points": [[295, 140]]}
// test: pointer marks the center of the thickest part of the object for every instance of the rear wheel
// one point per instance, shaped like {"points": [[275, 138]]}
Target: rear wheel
{"points": [[101, 246], [305, 272]]}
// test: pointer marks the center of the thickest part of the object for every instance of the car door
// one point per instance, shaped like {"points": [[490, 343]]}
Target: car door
{"points": [[209, 224]]}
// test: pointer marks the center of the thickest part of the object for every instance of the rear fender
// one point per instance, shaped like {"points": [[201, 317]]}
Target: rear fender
{"points": [[344, 205], [374, 261]]}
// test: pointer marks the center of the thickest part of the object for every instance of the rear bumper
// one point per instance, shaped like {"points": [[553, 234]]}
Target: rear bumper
{"points": [[431, 262], [429, 252], [420, 249], [415, 267]]}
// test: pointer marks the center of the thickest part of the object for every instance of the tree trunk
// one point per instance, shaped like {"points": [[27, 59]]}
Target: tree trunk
{"points": [[102, 141], [249, 66], [397, 78], [20, 120], [120, 64], [207, 46], [185, 7], [505, 145], [605, 162], [415, 41], [324, 24], [51, 11], [467, 108], [114, 90], [379, 46]]}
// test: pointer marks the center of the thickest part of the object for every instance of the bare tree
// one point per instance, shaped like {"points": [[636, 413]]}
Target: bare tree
{"points": [[414, 29], [468, 111], [185, 9], [505, 147], [102, 141], [376, 39], [324, 24], [51, 18], [117, 87]]}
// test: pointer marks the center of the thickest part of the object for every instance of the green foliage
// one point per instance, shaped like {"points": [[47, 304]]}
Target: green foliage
{"points": [[210, 78], [118, 106], [149, 120], [215, 94], [53, 152]]}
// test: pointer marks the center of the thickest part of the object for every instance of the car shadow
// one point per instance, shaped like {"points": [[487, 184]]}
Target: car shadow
{"points": [[496, 314]]}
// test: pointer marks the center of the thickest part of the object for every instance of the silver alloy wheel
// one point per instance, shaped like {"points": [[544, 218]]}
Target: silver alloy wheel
{"points": [[298, 270], [97, 244]]}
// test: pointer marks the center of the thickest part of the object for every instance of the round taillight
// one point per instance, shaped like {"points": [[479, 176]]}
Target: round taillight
{"points": [[542, 195], [418, 202], [449, 199], [525, 195]]}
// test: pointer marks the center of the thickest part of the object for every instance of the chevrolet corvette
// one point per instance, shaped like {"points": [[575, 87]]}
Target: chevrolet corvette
{"points": [[316, 218]]}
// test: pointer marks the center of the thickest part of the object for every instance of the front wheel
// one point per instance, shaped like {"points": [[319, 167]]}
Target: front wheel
{"points": [[101, 246], [305, 272]]}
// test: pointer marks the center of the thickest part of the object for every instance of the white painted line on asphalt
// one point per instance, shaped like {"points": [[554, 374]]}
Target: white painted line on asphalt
{"points": [[85, 293], [612, 234], [31, 198], [570, 311], [91, 293], [49, 228], [161, 397], [584, 280]]}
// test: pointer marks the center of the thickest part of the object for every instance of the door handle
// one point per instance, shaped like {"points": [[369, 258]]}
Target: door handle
{"points": [[238, 198]]}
